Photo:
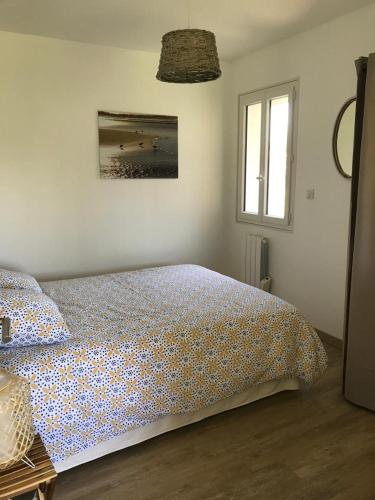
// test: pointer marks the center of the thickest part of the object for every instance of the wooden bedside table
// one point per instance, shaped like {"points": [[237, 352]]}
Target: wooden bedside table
{"points": [[20, 478]]}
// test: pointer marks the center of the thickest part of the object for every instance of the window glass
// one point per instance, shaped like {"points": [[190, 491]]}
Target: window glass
{"points": [[277, 157], [252, 157]]}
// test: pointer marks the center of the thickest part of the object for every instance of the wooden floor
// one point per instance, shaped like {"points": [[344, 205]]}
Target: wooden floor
{"points": [[308, 444]]}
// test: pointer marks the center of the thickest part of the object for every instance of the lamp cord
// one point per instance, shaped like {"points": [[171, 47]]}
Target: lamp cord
{"points": [[189, 12]]}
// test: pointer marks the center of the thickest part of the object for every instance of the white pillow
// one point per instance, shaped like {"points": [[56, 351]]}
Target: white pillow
{"points": [[21, 281], [34, 318]]}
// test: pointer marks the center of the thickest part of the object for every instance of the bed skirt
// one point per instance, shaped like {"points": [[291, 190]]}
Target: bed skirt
{"points": [[171, 422]]}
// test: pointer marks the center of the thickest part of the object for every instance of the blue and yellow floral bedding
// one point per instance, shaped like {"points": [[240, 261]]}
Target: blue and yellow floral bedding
{"points": [[156, 342]]}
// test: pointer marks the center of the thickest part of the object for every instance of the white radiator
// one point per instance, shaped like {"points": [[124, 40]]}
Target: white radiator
{"points": [[256, 262]]}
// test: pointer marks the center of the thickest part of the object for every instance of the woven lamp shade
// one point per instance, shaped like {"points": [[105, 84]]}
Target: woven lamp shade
{"points": [[188, 56], [16, 428]]}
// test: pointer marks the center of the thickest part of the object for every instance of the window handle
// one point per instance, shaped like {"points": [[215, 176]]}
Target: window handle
{"points": [[260, 178]]}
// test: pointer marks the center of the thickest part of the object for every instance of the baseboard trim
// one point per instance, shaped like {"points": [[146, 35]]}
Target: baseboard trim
{"points": [[330, 339]]}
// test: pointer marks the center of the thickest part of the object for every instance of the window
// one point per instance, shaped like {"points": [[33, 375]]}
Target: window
{"points": [[267, 143]]}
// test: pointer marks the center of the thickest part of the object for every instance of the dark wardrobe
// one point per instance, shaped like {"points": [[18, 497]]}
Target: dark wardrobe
{"points": [[359, 354]]}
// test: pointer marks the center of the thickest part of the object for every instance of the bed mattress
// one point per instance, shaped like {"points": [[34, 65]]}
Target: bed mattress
{"points": [[156, 343], [171, 422]]}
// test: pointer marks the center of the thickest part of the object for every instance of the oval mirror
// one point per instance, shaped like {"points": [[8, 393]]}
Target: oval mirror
{"points": [[343, 138]]}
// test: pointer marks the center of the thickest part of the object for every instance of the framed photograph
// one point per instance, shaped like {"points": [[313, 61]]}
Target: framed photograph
{"points": [[137, 146]]}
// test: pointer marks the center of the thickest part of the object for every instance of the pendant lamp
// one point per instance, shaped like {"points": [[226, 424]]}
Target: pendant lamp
{"points": [[188, 56]]}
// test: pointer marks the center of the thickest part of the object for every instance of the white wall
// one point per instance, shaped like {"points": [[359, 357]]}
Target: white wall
{"points": [[58, 218], [308, 266]]}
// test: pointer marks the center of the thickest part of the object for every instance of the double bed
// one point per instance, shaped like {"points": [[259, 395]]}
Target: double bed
{"points": [[155, 349]]}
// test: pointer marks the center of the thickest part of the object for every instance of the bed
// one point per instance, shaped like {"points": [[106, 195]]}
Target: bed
{"points": [[155, 349]]}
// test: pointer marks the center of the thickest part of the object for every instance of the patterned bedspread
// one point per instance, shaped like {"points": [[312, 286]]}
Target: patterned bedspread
{"points": [[155, 342]]}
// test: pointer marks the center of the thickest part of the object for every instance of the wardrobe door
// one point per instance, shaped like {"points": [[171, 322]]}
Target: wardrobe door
{"points": [[360, 338]]}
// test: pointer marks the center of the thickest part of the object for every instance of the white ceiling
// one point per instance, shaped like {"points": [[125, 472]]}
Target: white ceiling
{"points": [[240, 25]]}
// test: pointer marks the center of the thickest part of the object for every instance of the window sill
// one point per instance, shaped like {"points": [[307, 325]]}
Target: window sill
{"points": [[271, 225]]}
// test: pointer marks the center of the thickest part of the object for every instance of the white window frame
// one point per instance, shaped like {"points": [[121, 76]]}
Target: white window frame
{"points": [[290, 88]]}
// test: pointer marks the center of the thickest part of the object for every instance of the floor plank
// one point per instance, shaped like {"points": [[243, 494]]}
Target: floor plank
{"points": [[309, 444]]}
